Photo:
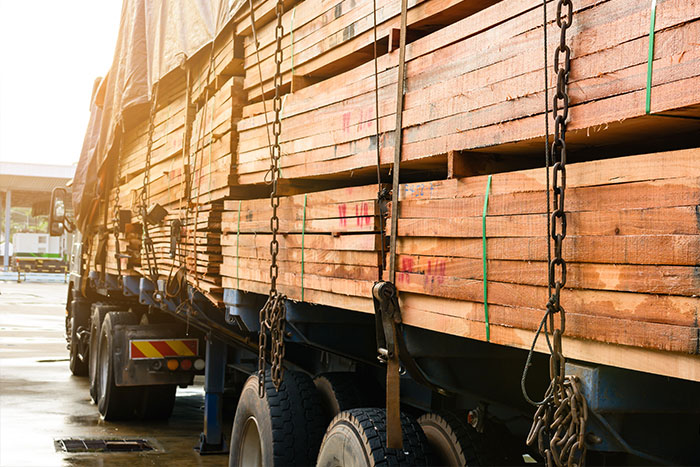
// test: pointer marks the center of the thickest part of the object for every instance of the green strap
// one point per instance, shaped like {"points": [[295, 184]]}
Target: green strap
{"points": [[303, 233], [483, 242], [650, 60], [238, 237]]}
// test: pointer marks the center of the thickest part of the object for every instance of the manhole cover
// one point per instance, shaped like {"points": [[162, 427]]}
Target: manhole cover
{"points": [[103, 445]]}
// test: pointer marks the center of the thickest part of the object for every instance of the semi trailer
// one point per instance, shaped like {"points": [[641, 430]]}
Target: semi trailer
{"points": [[441, 232]]}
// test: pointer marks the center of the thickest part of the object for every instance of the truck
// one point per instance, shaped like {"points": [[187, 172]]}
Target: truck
{"points": [[358, 222], [39, 252]]}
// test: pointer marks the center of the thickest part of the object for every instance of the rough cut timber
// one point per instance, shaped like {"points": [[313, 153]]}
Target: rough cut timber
{"points": [[632, 244], [190, 181], [477, 85], [329, 245], [324, 38], [635, 297]]}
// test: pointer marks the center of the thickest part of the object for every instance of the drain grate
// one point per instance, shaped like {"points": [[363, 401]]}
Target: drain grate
{"points": [[103, 445]]}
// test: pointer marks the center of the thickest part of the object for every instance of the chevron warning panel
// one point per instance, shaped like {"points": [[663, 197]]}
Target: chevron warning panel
{"points": [[143, 349]]}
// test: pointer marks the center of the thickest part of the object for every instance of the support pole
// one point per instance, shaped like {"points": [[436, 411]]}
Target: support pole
{"points": [[6, 253], [211, 441]]}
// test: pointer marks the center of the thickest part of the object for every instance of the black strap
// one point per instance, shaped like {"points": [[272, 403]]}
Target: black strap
{"points": [[390, 335]]}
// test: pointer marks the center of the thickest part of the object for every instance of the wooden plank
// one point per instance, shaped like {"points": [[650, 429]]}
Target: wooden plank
{"points": [[294, 255], [661, 221], [678, 365], [609, 330], [637, 195], [667, 309], [651, 279], [355, 242], [336, 51], [505, 101], [614, 249]]}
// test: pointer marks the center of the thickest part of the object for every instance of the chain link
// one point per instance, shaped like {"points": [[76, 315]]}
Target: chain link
{"points": [[147, 242], [560, 420], [273, 314], [116, 217], [149, 148]]}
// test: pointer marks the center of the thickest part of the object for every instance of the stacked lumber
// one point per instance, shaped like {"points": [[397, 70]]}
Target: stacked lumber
{"points": [[477, 85], [226, 62], [214, 140], [197, 251], [632, 249], [329, 246], [323, 38], [191, 167]]}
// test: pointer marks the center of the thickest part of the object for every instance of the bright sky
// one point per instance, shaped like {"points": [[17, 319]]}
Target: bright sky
{"points": [[51, 53]]}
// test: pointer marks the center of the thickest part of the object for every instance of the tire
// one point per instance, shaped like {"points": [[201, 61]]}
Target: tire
{"points": [[456, 443], [282, 429], [357, 438], [341, 391], [98, 312], [114, 402], [80, 318], [157, 401]]}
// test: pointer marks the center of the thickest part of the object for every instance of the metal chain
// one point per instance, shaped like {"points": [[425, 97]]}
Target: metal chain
{"points": [[147, 242], [115, 218], [199, 148], [273, 314], [560, 420], [149, 147]]}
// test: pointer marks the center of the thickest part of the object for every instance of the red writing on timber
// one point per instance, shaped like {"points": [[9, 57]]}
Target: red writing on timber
{"points": [[435, 272], [362, 214], [405, 268], [346, 121], [342, 213], [365, 120]]}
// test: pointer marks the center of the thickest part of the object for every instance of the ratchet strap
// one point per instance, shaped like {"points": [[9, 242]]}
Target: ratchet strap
{"points": [[390, 336], [386, 292]]}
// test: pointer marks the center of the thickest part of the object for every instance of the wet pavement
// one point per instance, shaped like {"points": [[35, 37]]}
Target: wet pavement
{"points": [[40, 401]]}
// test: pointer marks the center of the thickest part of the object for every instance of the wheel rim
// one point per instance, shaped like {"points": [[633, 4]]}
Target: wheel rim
{"points": [[250, 447], [104, 368]]}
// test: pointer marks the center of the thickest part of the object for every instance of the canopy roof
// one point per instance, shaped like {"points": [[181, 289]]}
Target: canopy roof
{"points": [[33, 183]]}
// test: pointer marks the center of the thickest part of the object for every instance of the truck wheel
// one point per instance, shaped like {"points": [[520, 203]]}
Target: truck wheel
{"points": [[98, 311], [456, 443], [282, 428], [157, 401], [113, 402], [341, 391], [79, 319], [357, 438]]}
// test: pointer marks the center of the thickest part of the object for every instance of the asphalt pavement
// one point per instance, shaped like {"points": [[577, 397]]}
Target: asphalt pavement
{"points": [[41, 402]]}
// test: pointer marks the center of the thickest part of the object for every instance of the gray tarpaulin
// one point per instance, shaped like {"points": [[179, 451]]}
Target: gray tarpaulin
{"points": [[155, 37]]}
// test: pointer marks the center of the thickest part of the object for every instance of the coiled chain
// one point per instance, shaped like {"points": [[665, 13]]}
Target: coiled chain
{"points": [[273, 314], [560, 420]]}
